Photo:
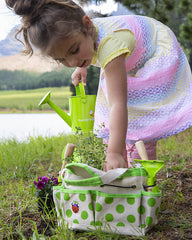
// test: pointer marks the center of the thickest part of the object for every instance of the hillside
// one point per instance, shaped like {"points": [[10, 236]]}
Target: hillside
{"points": [[12, 59], [30, 64]]}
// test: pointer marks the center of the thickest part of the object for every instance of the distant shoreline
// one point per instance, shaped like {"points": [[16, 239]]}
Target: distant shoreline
{"points": [[12, 111]]}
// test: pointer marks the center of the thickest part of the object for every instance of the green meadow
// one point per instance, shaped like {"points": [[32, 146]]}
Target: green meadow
{"points": [[28, 100], [22, 162]]}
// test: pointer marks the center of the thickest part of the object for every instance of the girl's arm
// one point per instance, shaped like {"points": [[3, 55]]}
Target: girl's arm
{"points": [[116, 79]]}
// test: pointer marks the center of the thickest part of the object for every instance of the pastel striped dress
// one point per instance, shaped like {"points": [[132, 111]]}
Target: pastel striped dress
{"points": [[159, 81]]}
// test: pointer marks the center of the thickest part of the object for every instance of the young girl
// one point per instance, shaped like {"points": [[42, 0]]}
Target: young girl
{"points": [[145, 89]]}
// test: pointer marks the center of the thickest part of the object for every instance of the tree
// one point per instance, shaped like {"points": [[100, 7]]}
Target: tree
{"points": [[186, 27]]}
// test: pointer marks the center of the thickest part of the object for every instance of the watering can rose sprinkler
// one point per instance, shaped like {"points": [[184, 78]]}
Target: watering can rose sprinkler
{"points": [[81, 106]]}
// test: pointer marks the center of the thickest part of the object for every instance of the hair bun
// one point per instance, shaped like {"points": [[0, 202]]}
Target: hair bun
{"points": [[25, 7]]}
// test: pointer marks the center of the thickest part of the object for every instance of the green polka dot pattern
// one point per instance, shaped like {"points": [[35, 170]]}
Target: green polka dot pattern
{"points": [[98, 207], [130, 201], [109, 217], [66, 196], [98, 223], [90, 206], [128, 215], [75, 221], [157, 211], [84, 215], [151, 202], [76, 209], [58, 195], [131, 219], [120, 208], [69, 213], [141, 209], [120, 224], [119, 212], [149, 221], [108, 200], [82, 197]]}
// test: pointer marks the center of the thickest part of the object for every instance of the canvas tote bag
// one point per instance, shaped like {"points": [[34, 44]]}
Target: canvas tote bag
{"points": [[113, 201]]}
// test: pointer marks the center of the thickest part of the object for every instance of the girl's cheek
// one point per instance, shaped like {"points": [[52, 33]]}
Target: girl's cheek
{"points": [[65, 64]]}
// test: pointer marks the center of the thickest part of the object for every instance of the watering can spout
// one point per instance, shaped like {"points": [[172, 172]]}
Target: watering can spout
{"points": [[82, 108], [59, 111]]}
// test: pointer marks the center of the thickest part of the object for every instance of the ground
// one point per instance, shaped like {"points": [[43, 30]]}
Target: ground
{"points": [[174, 218]]}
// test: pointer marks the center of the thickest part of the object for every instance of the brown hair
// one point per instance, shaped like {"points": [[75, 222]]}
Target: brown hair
{"points": [[45, 21]]}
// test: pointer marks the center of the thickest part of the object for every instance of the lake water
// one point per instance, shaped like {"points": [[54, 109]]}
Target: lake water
{"points": [[21, 126]]}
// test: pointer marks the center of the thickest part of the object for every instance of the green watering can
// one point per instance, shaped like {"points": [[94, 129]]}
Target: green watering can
{"points": [[81, 107], [151, 166]]}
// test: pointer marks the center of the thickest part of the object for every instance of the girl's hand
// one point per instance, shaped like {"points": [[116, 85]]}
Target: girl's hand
{"points": [[80, 74], [114, 160]]}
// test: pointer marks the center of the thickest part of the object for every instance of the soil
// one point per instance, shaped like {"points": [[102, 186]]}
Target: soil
{"points": [[174, 218]]}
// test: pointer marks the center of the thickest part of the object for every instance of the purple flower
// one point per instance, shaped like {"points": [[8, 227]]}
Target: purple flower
{"points": [[40, 185], [45, 184], [55, 180], [45, 180]]}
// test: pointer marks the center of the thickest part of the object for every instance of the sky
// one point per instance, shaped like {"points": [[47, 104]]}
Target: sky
{"points": [[8, 19]]}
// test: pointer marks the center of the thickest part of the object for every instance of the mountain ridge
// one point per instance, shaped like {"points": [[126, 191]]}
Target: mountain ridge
{"points": [[12, 58]]}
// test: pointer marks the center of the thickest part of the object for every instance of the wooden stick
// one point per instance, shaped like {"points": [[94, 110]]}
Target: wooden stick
{"points": [[140, 146], [68, 153]]}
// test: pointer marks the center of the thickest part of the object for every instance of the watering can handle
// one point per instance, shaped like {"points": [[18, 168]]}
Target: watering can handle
{"points": [[140, 146], [80, 90]]}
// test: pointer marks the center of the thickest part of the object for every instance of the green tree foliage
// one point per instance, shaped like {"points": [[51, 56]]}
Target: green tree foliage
{"points": [[21, 80], [92, 81], [157, 9], [186, 26]]}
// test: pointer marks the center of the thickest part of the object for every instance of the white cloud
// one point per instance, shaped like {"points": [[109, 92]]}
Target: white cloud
{"points": [[7, 19], [104, 7]]}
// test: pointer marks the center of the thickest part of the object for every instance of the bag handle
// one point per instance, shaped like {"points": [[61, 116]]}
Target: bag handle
{"points": [[98, 177], [80, 90]]}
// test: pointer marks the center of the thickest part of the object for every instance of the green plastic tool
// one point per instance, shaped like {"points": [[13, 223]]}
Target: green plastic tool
{"points": [[151, 166]]}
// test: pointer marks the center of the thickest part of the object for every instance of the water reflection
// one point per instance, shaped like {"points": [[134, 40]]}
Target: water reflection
{"points": [[22, 126]]}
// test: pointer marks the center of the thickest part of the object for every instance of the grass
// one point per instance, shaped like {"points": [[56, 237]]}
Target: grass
{"points": [[28, 100], [21, 162]]}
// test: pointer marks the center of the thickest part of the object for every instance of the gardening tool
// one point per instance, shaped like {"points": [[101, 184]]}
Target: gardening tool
{"points": [[81, 108], [67, 152], [151, 166]]}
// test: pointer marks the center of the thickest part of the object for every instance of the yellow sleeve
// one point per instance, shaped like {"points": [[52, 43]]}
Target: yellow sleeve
{"points": [[114, 45]]}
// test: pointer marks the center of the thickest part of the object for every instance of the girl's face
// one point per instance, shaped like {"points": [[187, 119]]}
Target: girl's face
{"points": [[75, 51]]}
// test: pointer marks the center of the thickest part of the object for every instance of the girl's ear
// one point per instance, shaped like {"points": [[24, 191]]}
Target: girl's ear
{"points": [[87, 22]]}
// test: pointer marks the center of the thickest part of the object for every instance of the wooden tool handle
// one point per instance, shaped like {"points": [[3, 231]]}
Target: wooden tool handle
{"points": [[68, 153], [69, 150], [140, 146]]}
